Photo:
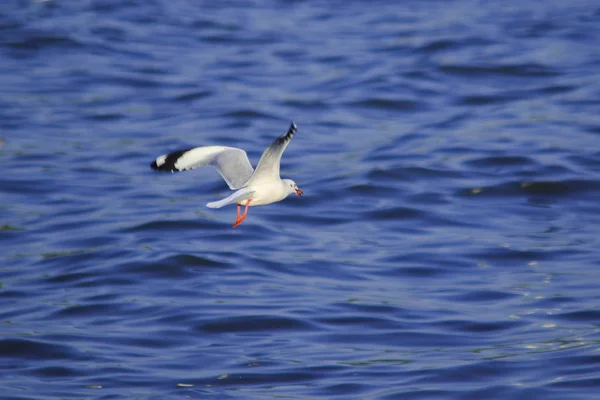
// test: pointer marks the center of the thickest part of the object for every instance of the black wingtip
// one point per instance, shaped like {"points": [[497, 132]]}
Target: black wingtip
{"points": [[167, 162], [162, 167], [288, 135]]}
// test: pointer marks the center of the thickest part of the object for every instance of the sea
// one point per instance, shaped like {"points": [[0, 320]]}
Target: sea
{"points": [[446, 246]]}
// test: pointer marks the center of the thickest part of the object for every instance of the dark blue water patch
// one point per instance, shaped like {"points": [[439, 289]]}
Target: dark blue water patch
{"points": [[556, 89], [335, 124], [108, 7], [424, 264], [170, 267], [588, 316], [358, 322], [243, 380], [327, 218], [78, 259], [484, 100], [7, 294], [307, 104], [55, 372], [36, 349], [28, 186], [557, 300], [105, 115], [397, 149], [200, 390], [244, 63], [160, 339], [550, 188], [263, 324], [249, 114], [419, 394], [28, 43], [595, 129], [589, 162], [439, 45], [500, 392], [207, 23], [194, 261], [82, 270], [395, 213], [423, 272], [345, 389], [324, 267], [388, 104], [429, 198], [174, 318], [76, 278], [11, 236], [483, 296], [528, 70], [571, 188], [481, 327], [509, 257], [189, 96], [407, 174], [20, 308], [219, 38], [357, 308], [468, 375], [584, 360], [70, 259], [515, 166], [101, 298], [173, 227], [538, 29], [428, 258], [371, 190], [422, 339], [111, 33], [91, 311], [591, 383], [132, 80]]}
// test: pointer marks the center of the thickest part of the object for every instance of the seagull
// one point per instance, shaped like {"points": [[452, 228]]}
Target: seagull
{"points": [[252, 187]]}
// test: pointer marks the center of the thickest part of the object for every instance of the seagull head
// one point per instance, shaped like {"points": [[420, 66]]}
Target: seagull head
{"points": [[292, 187]]}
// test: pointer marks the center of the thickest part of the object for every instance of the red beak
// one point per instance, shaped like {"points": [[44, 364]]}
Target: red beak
{"points": [[299, 192]]}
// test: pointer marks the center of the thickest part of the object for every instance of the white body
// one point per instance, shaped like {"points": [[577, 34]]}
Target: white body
{"points": [[261, 186], [261, 194], [268, 193]]}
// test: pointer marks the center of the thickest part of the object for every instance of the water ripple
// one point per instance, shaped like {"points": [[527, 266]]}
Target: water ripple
{"points": [[447, 236]]}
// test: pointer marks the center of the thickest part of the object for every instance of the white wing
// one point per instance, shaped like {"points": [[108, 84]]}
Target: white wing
{"points": [[270, 161], [242, 194], [231, 162]]}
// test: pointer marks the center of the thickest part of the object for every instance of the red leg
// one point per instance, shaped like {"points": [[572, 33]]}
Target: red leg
{"points": [[241, 218]]}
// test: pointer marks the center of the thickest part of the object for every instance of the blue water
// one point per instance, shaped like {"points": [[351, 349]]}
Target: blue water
{"points": [[446, 247]]}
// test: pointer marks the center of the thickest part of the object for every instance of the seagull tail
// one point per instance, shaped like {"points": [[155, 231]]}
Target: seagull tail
{"points": [[218, 204], [240, 195]]}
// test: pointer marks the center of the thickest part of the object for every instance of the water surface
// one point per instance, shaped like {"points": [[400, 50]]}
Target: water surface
{"points": [[446, 246]]}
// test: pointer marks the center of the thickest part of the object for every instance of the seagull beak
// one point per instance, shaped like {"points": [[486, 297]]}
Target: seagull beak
{"points": [[299, 192]]}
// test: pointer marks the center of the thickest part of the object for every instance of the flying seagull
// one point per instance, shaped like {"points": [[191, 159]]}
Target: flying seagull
{"points": [[252, 187]]}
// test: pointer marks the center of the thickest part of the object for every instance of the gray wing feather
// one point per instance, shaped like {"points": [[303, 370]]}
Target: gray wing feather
{"points": [[232, 163], [270, 161]]}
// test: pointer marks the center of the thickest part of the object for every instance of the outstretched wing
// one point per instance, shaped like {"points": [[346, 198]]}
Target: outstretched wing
{"points": [[270, 161], [231, 162]]}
